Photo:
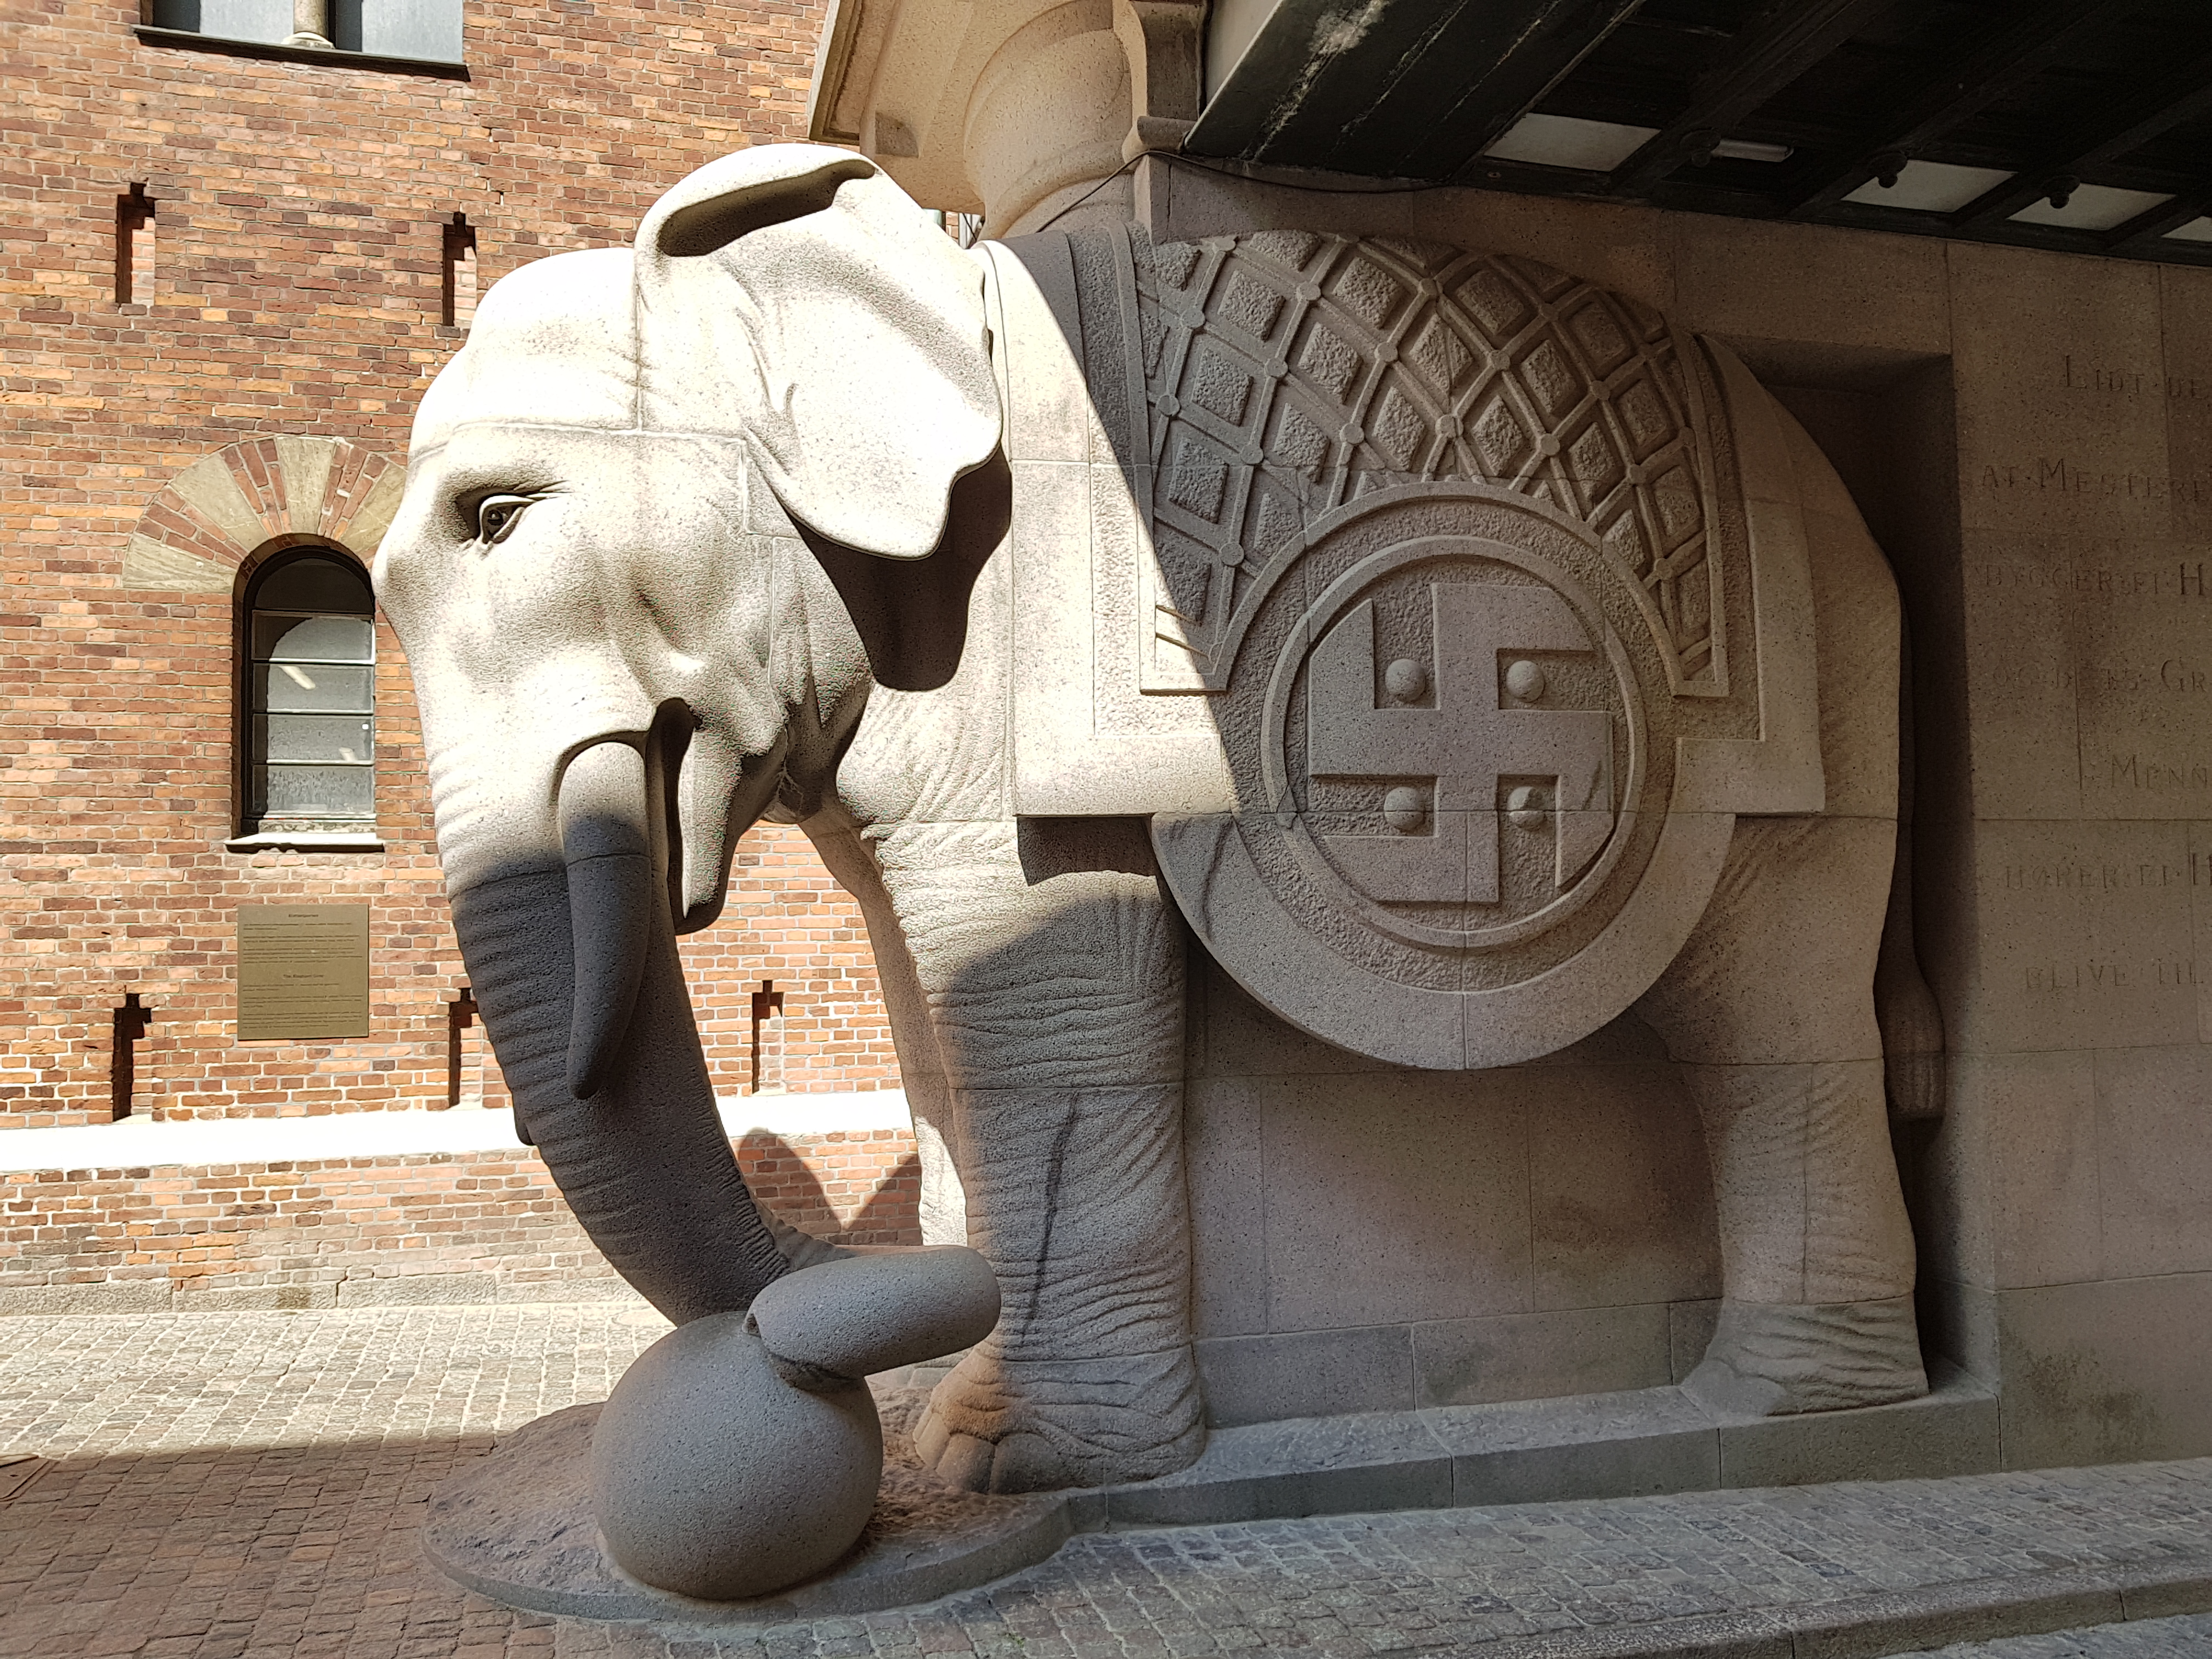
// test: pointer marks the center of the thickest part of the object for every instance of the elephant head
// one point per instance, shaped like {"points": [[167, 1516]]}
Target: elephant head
{"points": [[670, 512]]}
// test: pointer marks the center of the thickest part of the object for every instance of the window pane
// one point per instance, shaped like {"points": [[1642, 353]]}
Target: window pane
{"points": [[316, 792], [345, 737], [311, 688], [236, 20], [312, 639], [399, 28], [311, 728], [315, 585]]}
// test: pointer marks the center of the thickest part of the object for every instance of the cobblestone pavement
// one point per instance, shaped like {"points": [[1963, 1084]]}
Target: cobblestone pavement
{"points": [[226, 1486]]}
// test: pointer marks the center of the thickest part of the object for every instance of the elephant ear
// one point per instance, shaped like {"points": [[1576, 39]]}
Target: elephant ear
{"points": [[794, 296]]}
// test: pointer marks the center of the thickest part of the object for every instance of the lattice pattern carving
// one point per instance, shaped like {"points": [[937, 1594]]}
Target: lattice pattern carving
{"points": [[1290, 372]]}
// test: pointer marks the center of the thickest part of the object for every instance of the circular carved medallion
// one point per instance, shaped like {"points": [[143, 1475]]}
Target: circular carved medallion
{"points": [[1501, 812], [1453, 740]]}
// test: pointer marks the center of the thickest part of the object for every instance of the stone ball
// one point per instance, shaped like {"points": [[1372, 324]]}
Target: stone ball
{"points": [[1524, 807], [713, 1477], [1525, 680], [1405, 679], [1404, 808]]}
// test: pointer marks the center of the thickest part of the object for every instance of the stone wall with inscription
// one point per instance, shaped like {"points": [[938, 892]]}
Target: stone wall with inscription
{"points": [[2029, 437], [2074, 1175]]}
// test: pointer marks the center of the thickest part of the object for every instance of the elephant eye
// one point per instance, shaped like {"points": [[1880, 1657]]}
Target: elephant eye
{"points": [[496, 516]]}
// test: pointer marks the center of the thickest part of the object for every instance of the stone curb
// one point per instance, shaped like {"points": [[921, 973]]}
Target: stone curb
{"points": [[1891, 1622], [1642, 1443]]}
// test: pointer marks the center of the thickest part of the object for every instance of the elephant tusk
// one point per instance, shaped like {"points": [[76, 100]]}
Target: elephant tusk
{"points": [[606, 843], [710, 782]]}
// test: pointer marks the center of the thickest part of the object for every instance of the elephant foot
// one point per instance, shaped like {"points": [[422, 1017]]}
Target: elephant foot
{"points": [[1002, 1426], [1773, 1359]]}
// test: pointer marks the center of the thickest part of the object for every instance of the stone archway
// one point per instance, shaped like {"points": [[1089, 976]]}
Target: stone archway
{"points": [[203, 524]]}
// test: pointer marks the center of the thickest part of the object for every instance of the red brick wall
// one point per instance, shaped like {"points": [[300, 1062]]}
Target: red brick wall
{"points": [[461, 1226], [296, 289], [788, 922]]}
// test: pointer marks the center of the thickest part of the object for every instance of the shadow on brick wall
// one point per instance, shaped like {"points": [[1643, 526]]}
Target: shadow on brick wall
{"points": [[849, 1189]]}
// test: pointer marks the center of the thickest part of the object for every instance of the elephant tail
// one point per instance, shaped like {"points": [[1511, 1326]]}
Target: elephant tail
{"points": [[1904, 1005]]}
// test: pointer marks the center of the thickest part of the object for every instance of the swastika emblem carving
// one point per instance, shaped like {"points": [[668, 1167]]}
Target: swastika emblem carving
{"points": [[1460, 737], [1455, 750]]}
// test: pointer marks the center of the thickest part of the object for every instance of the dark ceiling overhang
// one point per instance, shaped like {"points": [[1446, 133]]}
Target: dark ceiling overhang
{"points": [[2080, 125]]}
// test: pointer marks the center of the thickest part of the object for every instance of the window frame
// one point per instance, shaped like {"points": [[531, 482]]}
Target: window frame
{"points": [[150, 33], [351, 835]]}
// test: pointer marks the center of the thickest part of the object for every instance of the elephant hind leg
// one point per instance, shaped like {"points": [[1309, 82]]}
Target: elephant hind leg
{"points": [[1817, 1255], [1769, 1007]]}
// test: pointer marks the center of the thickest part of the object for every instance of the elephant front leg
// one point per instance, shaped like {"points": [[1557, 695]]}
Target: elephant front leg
{"points": [[1076, 1196], [1050, 979], [1771, 1007]]}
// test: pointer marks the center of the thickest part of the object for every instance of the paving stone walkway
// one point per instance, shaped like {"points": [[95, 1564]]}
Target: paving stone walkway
{"points": [[243, 1486]]}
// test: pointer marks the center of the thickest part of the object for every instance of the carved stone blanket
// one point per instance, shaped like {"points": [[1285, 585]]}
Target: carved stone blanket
{"points": [[1443, 613]]}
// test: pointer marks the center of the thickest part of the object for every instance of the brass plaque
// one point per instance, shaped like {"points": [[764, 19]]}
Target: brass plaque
{"points": [[302, 971]]}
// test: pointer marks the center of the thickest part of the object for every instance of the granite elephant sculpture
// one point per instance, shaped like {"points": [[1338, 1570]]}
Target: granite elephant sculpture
{"points": [[798, 510]]}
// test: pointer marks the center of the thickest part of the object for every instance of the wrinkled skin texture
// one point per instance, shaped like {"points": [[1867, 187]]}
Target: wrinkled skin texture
{"points": [[628, 648]]}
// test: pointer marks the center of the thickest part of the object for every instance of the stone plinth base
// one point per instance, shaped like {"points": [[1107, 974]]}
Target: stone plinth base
{"points": [[519, 1525], [1640, 1442]]}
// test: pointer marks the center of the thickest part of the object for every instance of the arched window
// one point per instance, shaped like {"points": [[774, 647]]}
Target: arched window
{"points": [[310, 725]]}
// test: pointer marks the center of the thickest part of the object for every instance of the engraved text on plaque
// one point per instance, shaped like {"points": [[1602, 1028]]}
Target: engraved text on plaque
{"points": [[302, 971]]}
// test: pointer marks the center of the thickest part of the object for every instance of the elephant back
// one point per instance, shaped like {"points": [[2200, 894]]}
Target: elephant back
{"points": [[1287, 374], [1432, 616]]}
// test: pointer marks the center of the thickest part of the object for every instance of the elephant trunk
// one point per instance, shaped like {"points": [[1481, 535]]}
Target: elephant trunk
{"points": [[576, 972]]}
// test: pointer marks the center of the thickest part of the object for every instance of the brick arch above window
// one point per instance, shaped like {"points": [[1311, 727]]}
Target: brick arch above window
{"points": [[195, 533]]}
